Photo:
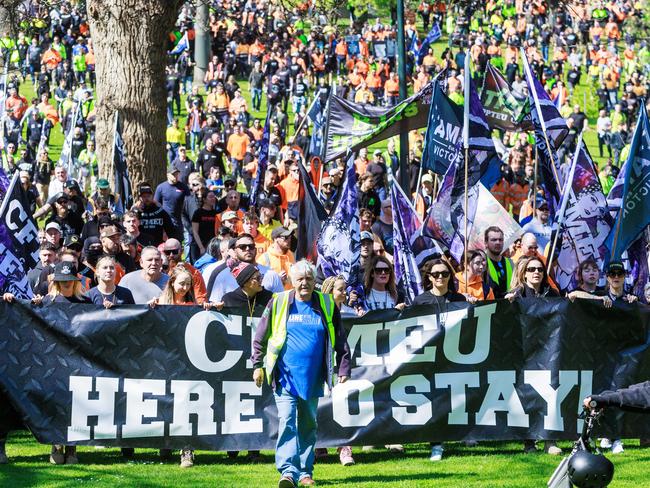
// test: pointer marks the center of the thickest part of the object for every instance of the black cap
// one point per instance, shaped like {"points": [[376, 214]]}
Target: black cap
{"points": [[65, 271], [616, 267], [72, 184], [73, 242], [145, 188]]}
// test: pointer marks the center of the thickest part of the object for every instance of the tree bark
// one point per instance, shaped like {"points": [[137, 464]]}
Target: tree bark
{"points": [[130, 41]]}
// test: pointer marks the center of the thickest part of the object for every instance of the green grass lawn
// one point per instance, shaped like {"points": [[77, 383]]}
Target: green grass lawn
{"points": [[489, 465]]}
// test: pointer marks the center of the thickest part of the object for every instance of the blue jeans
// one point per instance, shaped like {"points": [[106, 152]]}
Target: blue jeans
{"points": [[294, 450], [257, 98]]}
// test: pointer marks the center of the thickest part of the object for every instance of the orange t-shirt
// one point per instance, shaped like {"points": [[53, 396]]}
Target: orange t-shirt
{"points": [[237, 145]]}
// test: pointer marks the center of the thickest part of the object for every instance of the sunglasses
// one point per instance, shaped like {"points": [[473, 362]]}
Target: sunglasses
{"points": [[62, 201], [616, 274], [382, 270], [327, 185], [169, 252], [532, 269], [246, 247], [440, 274]]}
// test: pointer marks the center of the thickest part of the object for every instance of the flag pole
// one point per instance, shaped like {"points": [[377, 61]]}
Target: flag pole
{"points": [[535, 180], [565, 199], [302, 122], [466, 90], [115, 121], [532, 89], [417, 185]]}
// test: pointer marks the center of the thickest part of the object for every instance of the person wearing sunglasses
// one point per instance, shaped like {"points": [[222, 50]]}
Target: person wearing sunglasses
{"points": [[379, 285], [531, 281], [439, 290], [243, 250], [615, 291]]}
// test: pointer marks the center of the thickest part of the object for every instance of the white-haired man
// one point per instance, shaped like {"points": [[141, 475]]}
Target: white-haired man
{"points": [[294, 345]]}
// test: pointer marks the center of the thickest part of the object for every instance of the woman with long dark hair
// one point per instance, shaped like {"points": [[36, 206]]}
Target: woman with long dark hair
{"points": [[379, 285], [439, 290]]}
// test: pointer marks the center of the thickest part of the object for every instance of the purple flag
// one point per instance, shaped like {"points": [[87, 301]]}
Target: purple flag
{"points": [[586, 222], [405, 224], [339, 243]]}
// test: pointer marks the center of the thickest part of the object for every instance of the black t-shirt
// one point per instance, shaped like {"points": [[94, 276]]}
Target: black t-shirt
{"points": [[47, 299], [238, 299], [121, 296], [428, 298], [205, 219], [153, 221]]}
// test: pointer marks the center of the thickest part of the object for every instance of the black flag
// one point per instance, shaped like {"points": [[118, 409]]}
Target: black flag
{"points": [[311, 216], [122, 180]]}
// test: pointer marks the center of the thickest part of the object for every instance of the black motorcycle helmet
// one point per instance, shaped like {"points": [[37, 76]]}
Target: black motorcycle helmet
{"points": [[588, 470]]}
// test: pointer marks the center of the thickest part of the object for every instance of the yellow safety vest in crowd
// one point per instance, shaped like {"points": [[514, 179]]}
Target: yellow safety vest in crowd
{"points": [[279, 317], [494, 275]]}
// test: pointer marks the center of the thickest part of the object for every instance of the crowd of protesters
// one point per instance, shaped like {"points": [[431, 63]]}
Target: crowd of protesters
{"points": [[195, 238]]}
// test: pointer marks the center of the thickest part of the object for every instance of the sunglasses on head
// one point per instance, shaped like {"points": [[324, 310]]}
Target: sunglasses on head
{"points": [[382, 270], [532, 269], [440, 274], [246, 247]]}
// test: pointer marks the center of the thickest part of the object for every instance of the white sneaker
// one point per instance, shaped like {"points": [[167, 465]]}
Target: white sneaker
{"points": [[617, 447], [436, 452], [605, 443]]}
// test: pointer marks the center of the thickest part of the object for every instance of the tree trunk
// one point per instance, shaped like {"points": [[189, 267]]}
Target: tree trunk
{"points": [[130, 43]]}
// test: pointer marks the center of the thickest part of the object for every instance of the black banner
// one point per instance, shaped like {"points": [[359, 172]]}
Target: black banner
{"points": [[351, 126], [502, 109], [176, 376]]}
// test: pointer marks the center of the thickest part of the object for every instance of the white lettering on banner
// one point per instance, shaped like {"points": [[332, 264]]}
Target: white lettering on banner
{"points": [[139, 408], [195, 341], [501, 396], [445, 130], [407, 339], [83, 408], [458, 382], [341, 407], [423, 411], [10, 264], [185, 405], [453, 327], [236, 407], [541, 382], [23, 229]]}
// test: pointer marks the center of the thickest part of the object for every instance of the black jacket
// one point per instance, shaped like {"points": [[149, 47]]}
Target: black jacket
{"points": [[635, 398]]}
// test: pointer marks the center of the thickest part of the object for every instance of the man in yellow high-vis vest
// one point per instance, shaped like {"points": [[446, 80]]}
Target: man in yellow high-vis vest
{"points": [[295, 346], [499, 267]]}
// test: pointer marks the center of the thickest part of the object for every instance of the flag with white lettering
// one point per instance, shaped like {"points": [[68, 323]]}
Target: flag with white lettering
{"points": [[502, 109], [19, 245]]}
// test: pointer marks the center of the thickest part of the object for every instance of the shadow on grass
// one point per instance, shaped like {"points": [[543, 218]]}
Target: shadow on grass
{"points": [[388, 478]]}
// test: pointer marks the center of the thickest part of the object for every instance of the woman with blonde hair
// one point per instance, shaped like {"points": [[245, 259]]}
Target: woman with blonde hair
{"points": [[179, 288], [107, 293]]}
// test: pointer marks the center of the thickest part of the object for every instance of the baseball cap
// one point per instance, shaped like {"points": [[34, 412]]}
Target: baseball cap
{"points": [[229, 214], [65, 271], [73, 242], [427, 178], [365, 236], [103, 183], [173, 170], [377, 152], [540, 202], [109, 231], [615, 267], [280, 232], [52, 225], [145, 188], [72, 184]]}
